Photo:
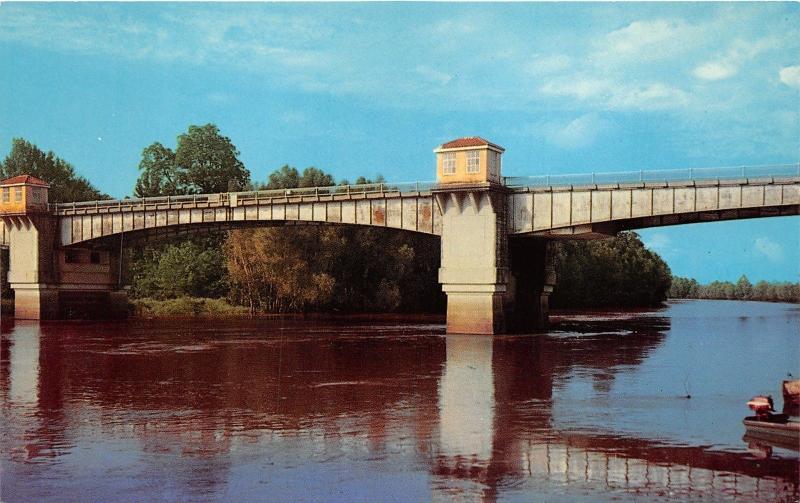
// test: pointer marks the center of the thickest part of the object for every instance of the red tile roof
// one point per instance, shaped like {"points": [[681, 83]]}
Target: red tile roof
{"points": [[470, 141], [32, 180]]}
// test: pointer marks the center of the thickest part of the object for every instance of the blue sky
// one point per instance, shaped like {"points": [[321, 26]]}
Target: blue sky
{"points": [[362, 89]]}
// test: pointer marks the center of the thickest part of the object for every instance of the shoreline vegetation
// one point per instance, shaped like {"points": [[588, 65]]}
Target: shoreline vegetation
{"points": [[347, 270], [743, 289], [202, 308]]}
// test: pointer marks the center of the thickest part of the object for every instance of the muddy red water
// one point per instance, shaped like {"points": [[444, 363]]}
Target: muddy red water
{"points": [[284, 410]]}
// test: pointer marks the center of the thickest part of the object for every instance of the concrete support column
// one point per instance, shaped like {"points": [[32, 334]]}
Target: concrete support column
{"points": [[35, 302], [32, 272], [54, 283], [474, 270]]}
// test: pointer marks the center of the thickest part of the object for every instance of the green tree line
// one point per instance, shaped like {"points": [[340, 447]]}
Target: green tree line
{"points": [[743, 289], [614, 272]]}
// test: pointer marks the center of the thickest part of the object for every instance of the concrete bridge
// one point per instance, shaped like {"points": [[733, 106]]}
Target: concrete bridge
{"points": [[495, 270]]}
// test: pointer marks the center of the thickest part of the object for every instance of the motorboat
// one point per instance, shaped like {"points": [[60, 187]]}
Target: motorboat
{"points": [[778, 429]]}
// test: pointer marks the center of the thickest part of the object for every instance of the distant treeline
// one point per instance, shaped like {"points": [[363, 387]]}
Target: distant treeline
{"points": [[317, 268], [687, 288]]}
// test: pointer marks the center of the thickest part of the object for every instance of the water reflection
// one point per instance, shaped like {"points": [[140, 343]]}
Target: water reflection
{"points": [[525, 447], [466, 401], [189, 411]]}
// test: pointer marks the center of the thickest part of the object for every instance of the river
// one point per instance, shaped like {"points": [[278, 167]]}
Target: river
{"points": [[392, 409]]}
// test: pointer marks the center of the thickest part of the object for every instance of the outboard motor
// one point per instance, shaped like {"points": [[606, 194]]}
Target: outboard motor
{"points": [[762, 406]]}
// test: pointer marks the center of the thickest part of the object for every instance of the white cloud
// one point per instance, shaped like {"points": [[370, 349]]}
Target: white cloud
{"points": [[646, 40], [578, 133], [639, 35], [656, 96], [770, 249], [196, 36], [433, 75], [743, 50], [715, 70], [610, 95], [790, 76], [739, 53], [477, 58]]}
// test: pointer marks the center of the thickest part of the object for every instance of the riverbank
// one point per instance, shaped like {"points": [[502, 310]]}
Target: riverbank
{"points": [[200, 307], [183, 307]]}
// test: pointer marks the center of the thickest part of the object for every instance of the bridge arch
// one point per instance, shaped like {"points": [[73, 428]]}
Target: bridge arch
{"points": [[412, 211], [596, 211]]}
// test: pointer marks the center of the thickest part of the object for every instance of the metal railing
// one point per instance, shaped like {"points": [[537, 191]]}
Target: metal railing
{"points": [[653, 176], [250, 197], [257, 196]]}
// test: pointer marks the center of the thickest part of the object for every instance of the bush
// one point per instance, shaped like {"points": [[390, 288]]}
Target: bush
{"points": [[185, 307]]}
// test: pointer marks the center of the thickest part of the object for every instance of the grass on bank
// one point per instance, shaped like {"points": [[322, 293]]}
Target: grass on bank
{"points": [[185, 306]]}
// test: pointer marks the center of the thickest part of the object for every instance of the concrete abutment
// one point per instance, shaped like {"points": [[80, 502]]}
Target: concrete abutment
{"points": [[50, 282]]}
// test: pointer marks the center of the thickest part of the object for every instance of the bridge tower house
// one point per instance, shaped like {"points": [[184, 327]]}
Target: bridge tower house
{"points": [[51, 282], [491, 287], [31, 234]]}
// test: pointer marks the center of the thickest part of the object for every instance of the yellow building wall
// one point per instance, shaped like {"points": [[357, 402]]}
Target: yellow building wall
{"points": [[12, 205], [27, 202], [461, 175]]}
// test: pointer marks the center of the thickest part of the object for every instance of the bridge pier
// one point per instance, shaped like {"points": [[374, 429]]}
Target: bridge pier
{"points": [[49, 281], [474, 268], [493, 284], [31, 271]]}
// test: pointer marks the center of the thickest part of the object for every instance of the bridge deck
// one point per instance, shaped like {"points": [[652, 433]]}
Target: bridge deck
{"points": [[581, 205]]}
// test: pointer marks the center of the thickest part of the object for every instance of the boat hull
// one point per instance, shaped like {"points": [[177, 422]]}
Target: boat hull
{"points": [[783, 434]]}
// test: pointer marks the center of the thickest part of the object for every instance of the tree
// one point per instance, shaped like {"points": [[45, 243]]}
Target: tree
{"points": [[160, 175], [286, 177], [313, 177], [193, 268], [208, 162], [744, 289], [612, 272], [26, 158], [204, 161], [323, 268]]}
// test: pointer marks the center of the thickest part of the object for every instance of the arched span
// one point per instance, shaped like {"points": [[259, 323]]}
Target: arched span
{"points": [[608, 229], [587, 211], [413, 211], [596, 211], [157, 234]]}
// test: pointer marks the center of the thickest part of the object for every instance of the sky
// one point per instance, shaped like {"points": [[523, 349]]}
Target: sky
{"points": [[373, 88]]}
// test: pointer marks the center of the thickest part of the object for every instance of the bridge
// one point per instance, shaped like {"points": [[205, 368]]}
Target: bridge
{"points": [[496, 268]]}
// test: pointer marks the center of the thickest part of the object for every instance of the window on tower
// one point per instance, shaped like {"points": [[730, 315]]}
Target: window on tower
{"points": [[473, 161], [449, 163]]}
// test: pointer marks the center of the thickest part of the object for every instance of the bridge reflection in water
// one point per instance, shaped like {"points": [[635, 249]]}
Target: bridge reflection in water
{"points": [[223, 411], [524, 447]]}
